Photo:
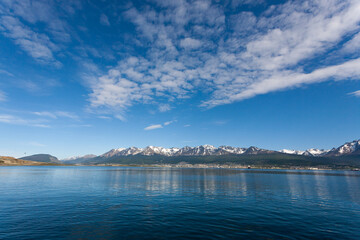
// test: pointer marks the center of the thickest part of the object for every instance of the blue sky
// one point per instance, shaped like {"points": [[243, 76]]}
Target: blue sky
{"points": [[80, 77]]}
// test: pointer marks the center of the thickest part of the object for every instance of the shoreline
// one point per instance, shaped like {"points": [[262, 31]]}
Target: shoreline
{"points": [[197, 166], [222, 166]]}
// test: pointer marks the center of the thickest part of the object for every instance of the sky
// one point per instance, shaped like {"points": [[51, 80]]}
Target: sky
{"points": [[83, 76]]}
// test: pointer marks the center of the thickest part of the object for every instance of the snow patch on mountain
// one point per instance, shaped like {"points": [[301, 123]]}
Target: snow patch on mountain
{"points": [[88, 156], [346, 149], [208, 150], [309, 152], [295, 152]]}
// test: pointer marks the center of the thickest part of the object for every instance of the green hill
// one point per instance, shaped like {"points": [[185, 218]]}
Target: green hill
{"points": [[45, 158]]}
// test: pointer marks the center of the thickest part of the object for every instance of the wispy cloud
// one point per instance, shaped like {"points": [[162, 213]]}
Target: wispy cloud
{"points": [[2, 96], [356, 93], [104, 117], [45, 114], [190, 43], [52, 30], [164, 107], [2, 71], [104, 20], [11, 119], [67, 115], [36, 45], [192, 47], [181, 48], [57, 114], [168, 122], [156, 126], [152, 127]]}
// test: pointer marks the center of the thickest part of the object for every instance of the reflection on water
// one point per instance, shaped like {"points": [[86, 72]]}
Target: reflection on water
{"points": [[208, 182], [126, 202]]}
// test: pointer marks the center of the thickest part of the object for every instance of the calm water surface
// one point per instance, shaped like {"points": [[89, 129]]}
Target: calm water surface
{"points": [[163, 203]]}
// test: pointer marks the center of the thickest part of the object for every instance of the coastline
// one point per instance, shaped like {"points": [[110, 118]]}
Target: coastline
{"points": [[222, 166], [186, 165]]}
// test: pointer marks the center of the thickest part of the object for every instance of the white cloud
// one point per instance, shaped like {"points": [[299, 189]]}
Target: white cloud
{"points": [[190, 43], [51, 33], [164, 107], [356, 93], [168, 123], [45, 114], [285, 80], [152, 127], [156, 126], [120, 117], [241, 57], [353, 46], [119, 89], [36, 45], [49, 13]]}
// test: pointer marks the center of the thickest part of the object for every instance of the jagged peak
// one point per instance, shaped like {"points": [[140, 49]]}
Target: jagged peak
{"points": [[208, 149], [206, 146]]}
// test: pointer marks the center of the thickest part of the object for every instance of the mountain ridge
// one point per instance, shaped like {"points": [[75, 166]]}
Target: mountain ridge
{"points": [[349, 148], [11, 161], [45, 158]]}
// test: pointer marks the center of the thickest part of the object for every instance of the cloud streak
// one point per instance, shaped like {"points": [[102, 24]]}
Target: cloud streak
{"points": [[356, 93], [152, 127], [157, 126], [2, 96], [57, 114], [10, 119]]}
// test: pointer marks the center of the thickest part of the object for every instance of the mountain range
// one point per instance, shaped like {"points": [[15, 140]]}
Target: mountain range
{"points": [[347, 149]]}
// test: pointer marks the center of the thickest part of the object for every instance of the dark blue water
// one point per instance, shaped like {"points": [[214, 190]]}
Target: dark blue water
{"points": [[162, 203]]}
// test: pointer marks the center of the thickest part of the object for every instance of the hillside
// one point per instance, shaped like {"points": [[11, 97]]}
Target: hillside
{"points": [[10, 161], [45, 158]]}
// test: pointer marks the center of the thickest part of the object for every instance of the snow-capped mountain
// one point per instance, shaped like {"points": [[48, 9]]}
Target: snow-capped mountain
{"points": [[148, 151], [315, 152], [350, 148], [229, 149], [295, 152], [254, 150], [309, 152], [203, 150], [88, 156], [346, 149]]}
